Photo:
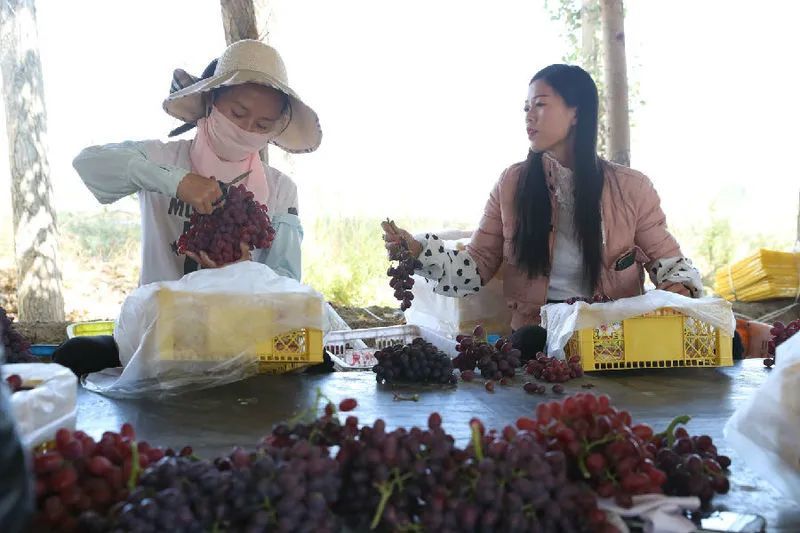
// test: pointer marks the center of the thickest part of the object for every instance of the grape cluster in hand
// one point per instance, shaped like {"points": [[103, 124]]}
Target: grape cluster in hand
{"points": [[401, 280], [418, 362], [240, 219]]}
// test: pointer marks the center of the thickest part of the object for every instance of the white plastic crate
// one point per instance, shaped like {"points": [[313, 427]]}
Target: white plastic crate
{"points": [[343, 345]]}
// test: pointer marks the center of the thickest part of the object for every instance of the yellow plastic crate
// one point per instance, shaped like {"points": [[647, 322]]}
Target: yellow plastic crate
{"points": [[664, 338], [186, 333], [83, 329]]}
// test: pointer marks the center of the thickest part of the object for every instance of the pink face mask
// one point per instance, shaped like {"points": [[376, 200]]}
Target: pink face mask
{"points": [[229, 141], [224, 150]]}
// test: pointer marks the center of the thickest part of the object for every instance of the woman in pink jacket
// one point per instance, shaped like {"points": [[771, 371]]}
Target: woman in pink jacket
{"points": [[563, 223]]}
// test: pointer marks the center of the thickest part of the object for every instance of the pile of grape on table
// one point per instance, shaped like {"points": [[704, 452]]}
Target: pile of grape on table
{"points": [[240, 219], [326, 471]]}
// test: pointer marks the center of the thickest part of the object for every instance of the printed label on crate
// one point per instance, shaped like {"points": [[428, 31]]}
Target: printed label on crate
{"points": [[361, 358]]}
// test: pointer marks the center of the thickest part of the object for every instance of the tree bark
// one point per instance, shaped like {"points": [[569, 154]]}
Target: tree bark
{"points": [[797, 242], [616, 81], [245, 19], [34, 217], [590, 20]]}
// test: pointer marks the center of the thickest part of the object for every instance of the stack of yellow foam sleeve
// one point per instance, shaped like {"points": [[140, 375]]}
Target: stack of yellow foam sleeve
{"points": [[765, 275]]}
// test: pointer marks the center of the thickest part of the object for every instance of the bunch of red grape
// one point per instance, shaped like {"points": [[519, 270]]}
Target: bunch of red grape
{"points": [[240, 219], [554, 370], [14, 383], [780, 334], [79, 474], [618, 458], [418, 362], [600, 445], [692, 465], [596, 299], [16, 347], [496, 361]]}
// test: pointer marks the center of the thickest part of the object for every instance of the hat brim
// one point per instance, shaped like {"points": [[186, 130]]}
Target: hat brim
{"points": [[303, 134]]}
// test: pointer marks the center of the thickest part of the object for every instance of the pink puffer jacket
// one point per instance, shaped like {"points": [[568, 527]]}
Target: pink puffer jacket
{"points": [[633, 222]]}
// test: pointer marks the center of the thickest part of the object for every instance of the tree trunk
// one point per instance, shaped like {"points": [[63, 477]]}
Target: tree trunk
{"points": [[616, 81], [592, 63], [34, 217], [797, 242], [590, 20], [246, 19]]}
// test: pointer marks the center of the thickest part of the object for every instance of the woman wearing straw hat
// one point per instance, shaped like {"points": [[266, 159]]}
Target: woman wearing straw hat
{"points": [[241, 103]]}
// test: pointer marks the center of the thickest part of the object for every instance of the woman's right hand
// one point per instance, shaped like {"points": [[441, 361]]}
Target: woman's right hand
{"points": [[393, 236], [199, 192]]}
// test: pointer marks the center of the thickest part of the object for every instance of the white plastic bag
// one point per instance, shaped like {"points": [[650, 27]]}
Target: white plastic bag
{"points": [[765, 429], [46, 408], [450, 316], [205, 329], [562, 320]]}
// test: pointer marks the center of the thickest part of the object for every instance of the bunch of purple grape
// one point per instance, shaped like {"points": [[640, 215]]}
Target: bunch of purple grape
{"points": [[17, 348], [780, 334], [496, 361]]}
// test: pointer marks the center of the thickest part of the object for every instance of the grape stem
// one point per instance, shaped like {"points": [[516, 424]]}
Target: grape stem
{"points": [[670, 431], [587, 447], [268, 507], [386, 489], [412, 398], [476, 441], [135, 466]]}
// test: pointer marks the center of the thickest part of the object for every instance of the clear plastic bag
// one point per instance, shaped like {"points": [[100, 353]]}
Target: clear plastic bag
{"points": [[450, 316], [765, 429], [204, 330]]}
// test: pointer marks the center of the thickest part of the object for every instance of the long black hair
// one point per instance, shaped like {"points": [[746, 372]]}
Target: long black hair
{"points": [[534, 212]]}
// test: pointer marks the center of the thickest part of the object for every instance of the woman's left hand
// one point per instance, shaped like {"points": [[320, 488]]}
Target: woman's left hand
{"points": [[204, 261], [678, 288]]}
